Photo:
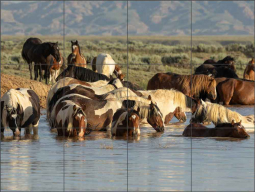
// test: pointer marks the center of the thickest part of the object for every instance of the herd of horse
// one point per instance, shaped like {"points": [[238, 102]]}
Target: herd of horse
{"points": [[83, 100]]}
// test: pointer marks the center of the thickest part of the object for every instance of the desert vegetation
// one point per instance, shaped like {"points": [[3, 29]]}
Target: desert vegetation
{"points": [[146, 55]]}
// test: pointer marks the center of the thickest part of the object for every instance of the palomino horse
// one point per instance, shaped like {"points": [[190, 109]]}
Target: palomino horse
{"points": [[171, 103], [76, 57], [20, 108], [235, 91], [55, 67], [126, 123], [100, 112], [70, 119], [218, 114], [36, 51], [249, 71], [195, 86], [233, 129]]}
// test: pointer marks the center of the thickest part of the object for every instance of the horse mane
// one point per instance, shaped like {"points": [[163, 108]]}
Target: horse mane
{"points": [[200, 83], [220, 114], [178, 98]]}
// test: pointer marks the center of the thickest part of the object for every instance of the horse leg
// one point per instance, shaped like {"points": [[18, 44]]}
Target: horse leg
{"points": [[35, 132], [16, 132], [2, 132], [40, 72], [28, 130], [35, 72], [30, 69]]}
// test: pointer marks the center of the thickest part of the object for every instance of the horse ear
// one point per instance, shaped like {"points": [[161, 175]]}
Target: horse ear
{"points": [[149, 97], [74, 108], [233, 122], [138, 109], [240, 122], [19, 109], [77, 41]]}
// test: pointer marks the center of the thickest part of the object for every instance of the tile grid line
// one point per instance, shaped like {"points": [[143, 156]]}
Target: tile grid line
{"points": [[0, 102], [191, 89], [64, 57], [254, 92], [127, 94]]}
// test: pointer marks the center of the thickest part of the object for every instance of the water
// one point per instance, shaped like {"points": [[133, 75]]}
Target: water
{"points": [[152, 162]]}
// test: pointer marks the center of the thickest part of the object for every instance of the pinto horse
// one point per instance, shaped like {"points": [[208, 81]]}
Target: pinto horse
{"points": [[195, 86], [70, 119], [126, 123], [82, 74], [235, 91], [76, 57], [249, 71], [91, 92], [100, 112], [232, 129], [20, 108], [35, 51]]}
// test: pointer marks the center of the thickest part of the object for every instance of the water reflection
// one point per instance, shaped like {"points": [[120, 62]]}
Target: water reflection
{"points": [[154, 161]]}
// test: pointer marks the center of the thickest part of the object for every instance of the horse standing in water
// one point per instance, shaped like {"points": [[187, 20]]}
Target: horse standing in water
{"points": [[76, 57], [36, 51], [249, 71]]}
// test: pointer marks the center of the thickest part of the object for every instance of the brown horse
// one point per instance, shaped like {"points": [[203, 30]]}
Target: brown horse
{"points": [[55, 67], [233, 129], [126, 123], [249, 70], [235, 91], [117, 71], [195, 86], [76, 57]]}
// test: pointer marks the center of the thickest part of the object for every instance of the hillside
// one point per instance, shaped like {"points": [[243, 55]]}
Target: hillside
{"points": [[144, 18]]}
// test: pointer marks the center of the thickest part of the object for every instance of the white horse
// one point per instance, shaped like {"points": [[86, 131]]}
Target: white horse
{"points": [[105, 64], [219, 114]]}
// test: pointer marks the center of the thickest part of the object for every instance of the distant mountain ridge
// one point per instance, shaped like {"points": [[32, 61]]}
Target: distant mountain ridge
{"points": [[144, 18]]}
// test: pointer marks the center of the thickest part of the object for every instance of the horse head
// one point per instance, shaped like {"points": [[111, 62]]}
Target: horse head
{"points": [[211, 88], [54, 51], [199, 111], [75, 47], [134, 121], [155, 117], [238, 130], [80, 116], [14, 117]]}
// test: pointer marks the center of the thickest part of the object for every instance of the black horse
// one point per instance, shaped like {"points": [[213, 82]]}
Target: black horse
{"points": [[82, 74], [228, 62], [216, 72], [36, 51]]}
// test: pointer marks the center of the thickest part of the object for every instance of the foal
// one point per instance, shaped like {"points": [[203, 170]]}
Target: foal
{"points": [[178, 113], [76, 57], [126, 123], [235, 130]]}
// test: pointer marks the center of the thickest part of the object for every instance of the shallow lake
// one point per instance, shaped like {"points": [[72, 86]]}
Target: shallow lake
{"points": [[151, 162]]}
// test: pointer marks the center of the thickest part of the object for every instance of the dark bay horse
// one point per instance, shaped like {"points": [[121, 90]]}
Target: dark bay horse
{"points": [[233, 129], [228, 62], [235, 91], [76, 57], [222, 71], [195, 86], [36, 51], [82, 74]]}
